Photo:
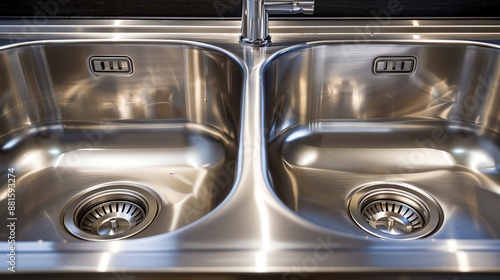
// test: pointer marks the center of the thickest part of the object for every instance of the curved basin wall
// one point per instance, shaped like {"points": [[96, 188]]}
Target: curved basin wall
{"points": [[170, 126], [333, 125], [53, 82], [452, 81]]}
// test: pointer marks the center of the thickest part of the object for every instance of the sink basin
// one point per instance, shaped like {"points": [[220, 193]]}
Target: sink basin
{"points": [[151, 135], [338, 124]]}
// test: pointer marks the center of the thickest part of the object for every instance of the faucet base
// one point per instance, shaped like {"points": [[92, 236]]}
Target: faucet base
{"points": [[263, 42]]}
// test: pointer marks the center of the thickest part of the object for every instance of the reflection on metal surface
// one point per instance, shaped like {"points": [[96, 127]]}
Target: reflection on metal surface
{"points": [[104, 262], [453, 82], [170, 125], [334, 126], [463, 261], [462, 257], [162, 87]]}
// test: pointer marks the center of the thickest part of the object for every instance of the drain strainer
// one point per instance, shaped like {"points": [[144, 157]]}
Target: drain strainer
{"points": [[393, 217], [394, 211], [110, 212], [112, 218]]}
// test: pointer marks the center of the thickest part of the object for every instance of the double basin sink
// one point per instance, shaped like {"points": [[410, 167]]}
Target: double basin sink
{"points": [[179, 146]]}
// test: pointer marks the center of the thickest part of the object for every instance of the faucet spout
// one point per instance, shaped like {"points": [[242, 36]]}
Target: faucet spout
{"points": [[255, 17], [290, 7]]}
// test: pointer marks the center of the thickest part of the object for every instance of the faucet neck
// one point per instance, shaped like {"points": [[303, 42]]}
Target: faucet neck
{"points": [[254, 23], [255, 17]]}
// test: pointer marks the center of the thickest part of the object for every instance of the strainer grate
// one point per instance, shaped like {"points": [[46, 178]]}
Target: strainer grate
{"points": [[112, 217]]}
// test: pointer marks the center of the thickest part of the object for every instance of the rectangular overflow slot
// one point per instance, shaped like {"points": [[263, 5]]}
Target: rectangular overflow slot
{"points": [[111, 65], [394, 65]]}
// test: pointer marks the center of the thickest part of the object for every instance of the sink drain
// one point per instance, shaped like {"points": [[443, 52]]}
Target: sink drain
{"points": [[112, 218], [393, 217], [394, 211], [110, 212]]}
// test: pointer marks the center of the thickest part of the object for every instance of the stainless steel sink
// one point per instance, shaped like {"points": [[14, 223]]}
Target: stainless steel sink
{"points": [[167, 125], [185, 152], [335, 124]]}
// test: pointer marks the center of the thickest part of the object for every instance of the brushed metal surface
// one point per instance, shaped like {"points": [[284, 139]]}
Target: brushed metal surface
{"points": [[334, 125], [256, 124], [170, 126]]}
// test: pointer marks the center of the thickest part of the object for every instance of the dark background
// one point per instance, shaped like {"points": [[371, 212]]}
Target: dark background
{"points": [[232, 8]]}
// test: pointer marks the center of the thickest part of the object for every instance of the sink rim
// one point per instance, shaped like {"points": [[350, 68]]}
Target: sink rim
{"points": [[173, 42], [325, 43]]}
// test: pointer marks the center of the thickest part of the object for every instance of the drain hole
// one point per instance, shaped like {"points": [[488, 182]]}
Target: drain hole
{"points": [[111, 222], [395, 211], [378, 216], [116, 212]]}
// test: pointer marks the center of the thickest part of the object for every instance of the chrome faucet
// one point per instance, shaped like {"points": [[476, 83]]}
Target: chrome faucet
{"points": [[255, 17]]}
